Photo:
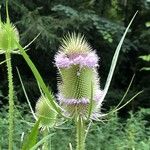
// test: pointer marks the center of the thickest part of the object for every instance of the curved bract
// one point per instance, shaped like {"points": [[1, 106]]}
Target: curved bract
{"points": [[77, 65]]}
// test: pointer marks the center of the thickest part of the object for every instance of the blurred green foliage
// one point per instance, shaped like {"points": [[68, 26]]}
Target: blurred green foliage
{"points": [[111, 133], [22, 124], [102, 22]]}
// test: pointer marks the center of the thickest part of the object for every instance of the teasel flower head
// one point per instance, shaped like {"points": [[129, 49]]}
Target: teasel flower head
{"points": [[8, 33], [45, 112], [78, 82]]}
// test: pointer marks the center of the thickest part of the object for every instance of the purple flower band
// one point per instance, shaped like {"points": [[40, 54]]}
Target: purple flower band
{"points": [[98, 96], [83, 101], [90, 60]]}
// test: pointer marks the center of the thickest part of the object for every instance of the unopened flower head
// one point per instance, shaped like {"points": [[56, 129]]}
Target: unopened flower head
{"points": [[77, 64], [8, 33], [45, 111]]}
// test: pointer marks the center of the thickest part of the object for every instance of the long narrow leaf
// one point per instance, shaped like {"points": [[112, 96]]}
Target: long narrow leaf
{"points": [[41, 142], [114, 60], [32, 137]]}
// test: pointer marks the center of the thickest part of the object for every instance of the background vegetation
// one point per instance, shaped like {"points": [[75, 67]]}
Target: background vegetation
{"points": [[102, 22], [114, 133]]}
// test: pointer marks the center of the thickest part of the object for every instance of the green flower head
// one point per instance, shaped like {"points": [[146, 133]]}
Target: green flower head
{"points": [[45, 112], [8, 33]]}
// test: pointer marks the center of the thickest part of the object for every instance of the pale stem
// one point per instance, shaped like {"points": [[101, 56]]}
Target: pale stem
{"points": [[11, 100]]}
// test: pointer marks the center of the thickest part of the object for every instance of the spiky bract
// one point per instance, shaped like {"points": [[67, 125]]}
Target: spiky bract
{"points": [[45, 111]]}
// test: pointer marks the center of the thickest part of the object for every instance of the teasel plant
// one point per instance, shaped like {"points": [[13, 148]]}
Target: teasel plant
{"points": [[80, 96], [8, 33], [78, 83]]}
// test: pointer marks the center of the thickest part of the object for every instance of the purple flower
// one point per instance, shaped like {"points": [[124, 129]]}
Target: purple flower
{"points": [[62, 61], [79, 60], [98, 96], [90, 60], [67, 101]]}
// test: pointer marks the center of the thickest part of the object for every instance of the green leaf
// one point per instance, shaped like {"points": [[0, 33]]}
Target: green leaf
{"points": [[41, 142], [32, 137]]}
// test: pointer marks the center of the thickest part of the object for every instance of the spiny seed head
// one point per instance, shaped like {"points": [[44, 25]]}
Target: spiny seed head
{"points": [[75, 44], [8, 33], [45, 111]]}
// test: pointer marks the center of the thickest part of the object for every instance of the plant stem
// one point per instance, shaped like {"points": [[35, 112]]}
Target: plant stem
{"points": [[45, 145], [11, 101], [80, 134]]}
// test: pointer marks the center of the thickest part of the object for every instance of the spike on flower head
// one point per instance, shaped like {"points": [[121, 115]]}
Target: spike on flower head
{"points": [[77, 64], [45, 111], [75, 44]]}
